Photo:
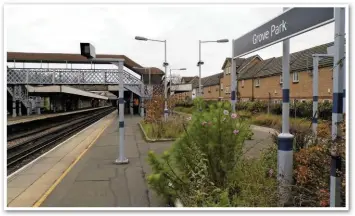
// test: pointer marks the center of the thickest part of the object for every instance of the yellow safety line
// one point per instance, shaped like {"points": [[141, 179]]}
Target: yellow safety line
{"points": [[50, 190]]}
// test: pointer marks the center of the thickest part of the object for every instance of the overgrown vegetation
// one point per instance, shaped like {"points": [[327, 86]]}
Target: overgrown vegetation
{"points": [[312, 172], [172, 128], [206, 166], [298, 109]]}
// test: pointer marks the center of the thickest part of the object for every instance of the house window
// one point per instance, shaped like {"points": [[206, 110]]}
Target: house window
{"points": [[242, 83], [221, 86], [281, 80], [209, 89], [257, 82], [295, 77], [227, 70], [227, 90]]}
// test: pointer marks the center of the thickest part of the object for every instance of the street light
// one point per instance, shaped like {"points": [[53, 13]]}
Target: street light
{"points": [[165, 64], [142, 89], [141, 38], [144, 68], [171, 69], [88, 51], [199, 63]]}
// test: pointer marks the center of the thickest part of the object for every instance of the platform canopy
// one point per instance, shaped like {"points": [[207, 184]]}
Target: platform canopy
{"points": [[64, 90], [71, 58]]}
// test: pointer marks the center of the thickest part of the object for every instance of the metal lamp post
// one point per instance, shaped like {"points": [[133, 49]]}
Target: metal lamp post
{"points": [[177, 69], [149, 84], [165, 64], [199, 63], [145, 68], [88, 51]]}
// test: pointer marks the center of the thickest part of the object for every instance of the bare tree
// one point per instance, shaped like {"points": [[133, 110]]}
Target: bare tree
{"points": [[175, 78]]}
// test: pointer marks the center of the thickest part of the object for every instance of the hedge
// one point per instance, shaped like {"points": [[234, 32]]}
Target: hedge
{"points": [[302, 109]]}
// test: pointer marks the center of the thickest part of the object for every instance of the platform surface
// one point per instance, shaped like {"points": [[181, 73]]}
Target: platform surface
{"points": [[29, 184], [26, 118], [95, 181]]}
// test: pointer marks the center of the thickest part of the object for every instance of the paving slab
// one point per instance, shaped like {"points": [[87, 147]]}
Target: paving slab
{"points": [[38, 169], [48, 160], [23, 180], [120, 190], [26, 186], [14, 192], [137, 189], [90, 173], [120, 185], [89, 194]]}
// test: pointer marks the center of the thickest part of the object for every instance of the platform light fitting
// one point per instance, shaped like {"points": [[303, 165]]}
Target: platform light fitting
{"points": [[141, 38], [87, 50], [223, 41]]}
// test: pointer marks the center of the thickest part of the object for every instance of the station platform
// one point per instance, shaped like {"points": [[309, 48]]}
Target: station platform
{"points": [[24, 119], [81, 171]]}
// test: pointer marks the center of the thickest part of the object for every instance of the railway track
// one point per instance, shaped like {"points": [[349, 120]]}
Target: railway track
{"points": [[25, 147]]}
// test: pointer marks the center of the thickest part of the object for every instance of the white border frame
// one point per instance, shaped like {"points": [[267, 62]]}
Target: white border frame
{"points": [[199, 3]]}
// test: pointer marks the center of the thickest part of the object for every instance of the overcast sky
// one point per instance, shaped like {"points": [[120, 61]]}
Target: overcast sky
{"points": [[112, 28]]}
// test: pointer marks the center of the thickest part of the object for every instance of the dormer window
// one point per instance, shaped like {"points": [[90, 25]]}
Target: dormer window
{"points": [[257, 82]]}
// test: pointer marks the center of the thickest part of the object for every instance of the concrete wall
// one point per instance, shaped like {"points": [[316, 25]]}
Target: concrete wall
{"points": [[86, 103]]}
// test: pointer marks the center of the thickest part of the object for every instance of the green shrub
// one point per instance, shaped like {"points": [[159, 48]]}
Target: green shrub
{"points": [[272, 121], [276, 109], [244, 114], [302, 109], [173, 128], [257, 181], [325, 111], [200, 167]]}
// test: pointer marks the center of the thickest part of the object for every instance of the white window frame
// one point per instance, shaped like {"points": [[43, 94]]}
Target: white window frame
{"points": [[227, 91], [257, 82], [242, 83], [227, 70], [281, 80], [221, 86], [294, 77]]}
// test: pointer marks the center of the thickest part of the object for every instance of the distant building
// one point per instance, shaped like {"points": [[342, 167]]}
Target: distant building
{"points": [[260, 79]]}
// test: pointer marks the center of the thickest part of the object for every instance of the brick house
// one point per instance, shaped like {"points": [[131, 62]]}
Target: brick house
{"points": [[260, 79], [186, 80], [263, 81], [211, 88], [242, 64]]}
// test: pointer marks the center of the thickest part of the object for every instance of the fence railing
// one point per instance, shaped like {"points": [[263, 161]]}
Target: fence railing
{"points": [[51, 76]]}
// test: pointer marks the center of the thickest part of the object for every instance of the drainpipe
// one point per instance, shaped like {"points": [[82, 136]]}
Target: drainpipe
{"points": [[252, 89]]}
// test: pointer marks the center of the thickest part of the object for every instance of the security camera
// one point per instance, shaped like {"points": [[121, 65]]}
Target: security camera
{"points": [[87, 50]]}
